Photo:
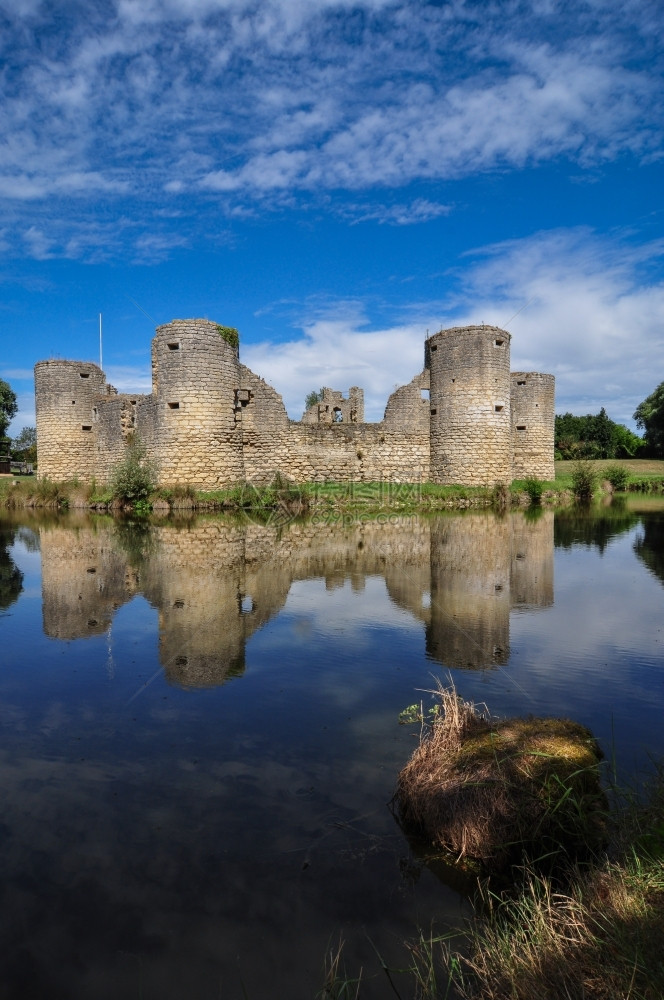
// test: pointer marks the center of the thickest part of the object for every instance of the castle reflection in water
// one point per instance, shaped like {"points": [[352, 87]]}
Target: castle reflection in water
{"points": [[215, 583]]}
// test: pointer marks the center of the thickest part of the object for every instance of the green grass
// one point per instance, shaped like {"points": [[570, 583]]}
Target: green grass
{"points": [[638, 468], [598, 937], [590, 933], [645, 476]]}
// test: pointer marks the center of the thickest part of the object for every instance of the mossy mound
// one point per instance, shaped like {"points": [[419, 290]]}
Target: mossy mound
{"points": [[491, 790]]}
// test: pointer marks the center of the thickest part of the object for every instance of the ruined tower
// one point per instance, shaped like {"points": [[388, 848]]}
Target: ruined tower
{"points": [[65, 397], [195, 378], [533, 425], [470, 405]]}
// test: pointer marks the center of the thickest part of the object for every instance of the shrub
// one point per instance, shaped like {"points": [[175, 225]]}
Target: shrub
{"points": [[534, 488], [618, 476], [135, 478], [584, 480], [230, 335]]}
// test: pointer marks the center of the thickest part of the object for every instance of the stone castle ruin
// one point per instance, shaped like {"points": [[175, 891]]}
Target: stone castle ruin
{"points": [[210, 421]]}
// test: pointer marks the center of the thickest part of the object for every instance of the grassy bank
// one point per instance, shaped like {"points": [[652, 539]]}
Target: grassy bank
{"points": [[590, 933], [643, 475], [289, 499], [280, 495]]}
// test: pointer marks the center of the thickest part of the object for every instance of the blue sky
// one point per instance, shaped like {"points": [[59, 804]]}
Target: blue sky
{"points": [[335, 179]]}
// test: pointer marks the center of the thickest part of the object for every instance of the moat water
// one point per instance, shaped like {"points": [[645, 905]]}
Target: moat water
{"points": [[200, 731]]}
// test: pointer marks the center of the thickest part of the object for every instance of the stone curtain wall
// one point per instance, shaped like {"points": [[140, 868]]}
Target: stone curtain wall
{"points": [[396, 450], [470, 406], [533, 425], [408, 406], [356, 452], [265, 428], [211, 422]]}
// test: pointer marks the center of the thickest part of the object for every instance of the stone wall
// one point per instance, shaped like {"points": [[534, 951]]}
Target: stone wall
{"points": [[264, 426], [211, 422], [333, 408], [408, 406]]}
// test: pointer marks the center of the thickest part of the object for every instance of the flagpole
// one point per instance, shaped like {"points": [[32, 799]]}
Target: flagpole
{"points": [[100, 356]]}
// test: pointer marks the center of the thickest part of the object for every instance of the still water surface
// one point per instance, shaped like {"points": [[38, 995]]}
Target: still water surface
{"points": [[200, 728]]}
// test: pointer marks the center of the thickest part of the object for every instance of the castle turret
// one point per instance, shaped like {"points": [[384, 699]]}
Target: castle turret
{"points": [[65, 396], [470, 405], [196, 378], [533, 425]]}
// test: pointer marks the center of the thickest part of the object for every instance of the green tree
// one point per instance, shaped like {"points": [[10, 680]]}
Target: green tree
{"points": [[8, 406], [594, 436], [650, 416], [24, 447], [602, 434], [312, 398]]}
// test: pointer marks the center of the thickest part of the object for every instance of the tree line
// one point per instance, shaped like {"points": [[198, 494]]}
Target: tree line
{"points": [[594, 436], [24, 446], [597, 436]]}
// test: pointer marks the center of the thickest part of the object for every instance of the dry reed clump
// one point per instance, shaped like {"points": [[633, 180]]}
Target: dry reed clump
{"points": [[488, 790]]}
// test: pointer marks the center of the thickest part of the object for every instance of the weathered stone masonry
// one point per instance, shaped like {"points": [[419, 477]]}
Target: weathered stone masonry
{"points": [[210, 421]]}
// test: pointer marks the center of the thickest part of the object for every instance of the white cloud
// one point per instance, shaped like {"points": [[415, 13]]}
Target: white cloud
{"points": [[337, 351], [39, 244], [592, 318], [248, 101], [419, 210], [126, 378]]}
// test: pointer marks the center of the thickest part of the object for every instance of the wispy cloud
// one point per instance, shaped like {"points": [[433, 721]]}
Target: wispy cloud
{"points": [[591, 309], [236, 104], [408, 214]]}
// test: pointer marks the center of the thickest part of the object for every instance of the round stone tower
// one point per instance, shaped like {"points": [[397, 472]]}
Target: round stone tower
{"points": [[533, 425], [65, 397], [470, 405], [195, 379]]}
